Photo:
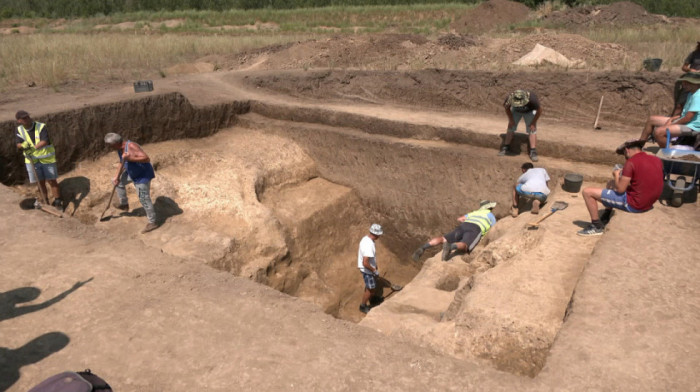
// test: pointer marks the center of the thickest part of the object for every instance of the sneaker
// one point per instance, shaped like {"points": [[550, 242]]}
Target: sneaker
{"points": [[149, 227], [591, 231], [514, 211], [446, 251], [417, 254], [58, 203], [123, 207], [606, 215], [365, 308], [535, 207], [533, 156], [504, 151]]}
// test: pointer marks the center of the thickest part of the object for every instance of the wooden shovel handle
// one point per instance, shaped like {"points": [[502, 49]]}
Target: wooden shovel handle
{"points": [[537, 223], [114, 188], [51, 212]]}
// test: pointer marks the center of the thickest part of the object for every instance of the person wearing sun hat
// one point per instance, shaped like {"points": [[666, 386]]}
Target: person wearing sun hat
{"points": [[635, 187], [692, 62], [473, 226], [686, 123], [367, 264], [522, 104]]}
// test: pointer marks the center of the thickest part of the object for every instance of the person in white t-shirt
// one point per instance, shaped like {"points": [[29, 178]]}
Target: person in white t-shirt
{"points": [[367, 263], [532, 184]]}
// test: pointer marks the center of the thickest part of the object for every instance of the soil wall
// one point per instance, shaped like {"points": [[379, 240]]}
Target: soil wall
{"points": [[78, 134]]}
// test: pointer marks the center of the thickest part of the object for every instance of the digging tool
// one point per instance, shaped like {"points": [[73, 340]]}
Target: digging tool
{"points": [[109, 202], [600, 106], [385, 282], [558, 205], [37, 203]]}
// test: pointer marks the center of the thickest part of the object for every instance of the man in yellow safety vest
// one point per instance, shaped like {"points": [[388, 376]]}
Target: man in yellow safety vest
{"points": [[464, 237], [33, 140]]}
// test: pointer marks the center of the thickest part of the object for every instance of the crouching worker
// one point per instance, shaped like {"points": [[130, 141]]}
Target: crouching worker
{"points": [[465, 236], [635, 187], [137, 169], [532, 184], [367, 263]]}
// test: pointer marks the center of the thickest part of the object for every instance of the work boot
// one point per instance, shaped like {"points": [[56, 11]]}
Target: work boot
{"points": [[533, 156], [417, 254], [123, 207], [514, 211], [149, 227], [535, 207], [365, 308], [446, 248], [504, 151]]}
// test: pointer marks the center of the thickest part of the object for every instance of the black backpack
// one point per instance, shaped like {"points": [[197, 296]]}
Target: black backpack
{"points": [[73, 382]]}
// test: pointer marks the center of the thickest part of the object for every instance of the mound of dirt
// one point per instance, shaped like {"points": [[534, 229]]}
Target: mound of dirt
{"points": [[597, 55], [623, 12], [490, 15]]}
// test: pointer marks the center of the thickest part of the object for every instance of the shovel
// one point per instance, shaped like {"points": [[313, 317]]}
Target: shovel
{"points": [[385, 282], [37, 203], [109, 202], [558, 205]]}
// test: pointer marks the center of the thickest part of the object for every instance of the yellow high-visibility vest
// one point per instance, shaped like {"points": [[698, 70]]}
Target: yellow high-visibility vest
{"points": [[47, 154], [481, 219]]}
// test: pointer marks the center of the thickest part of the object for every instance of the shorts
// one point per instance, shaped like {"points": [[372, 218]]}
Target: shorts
{"points": [[535, 195], [45, 171], [528, 116], [466, 233], [612, 199], [370, 282]]}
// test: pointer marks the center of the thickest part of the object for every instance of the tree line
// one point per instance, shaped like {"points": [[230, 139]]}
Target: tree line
{"points": [[87, 8]]}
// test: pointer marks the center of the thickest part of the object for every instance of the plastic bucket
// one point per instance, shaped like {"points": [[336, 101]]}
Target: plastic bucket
{"points": [[652, 65], [572, 182]]}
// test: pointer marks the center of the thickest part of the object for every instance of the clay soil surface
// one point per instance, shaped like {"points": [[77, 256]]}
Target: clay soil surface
{"points": [[250, 282]]}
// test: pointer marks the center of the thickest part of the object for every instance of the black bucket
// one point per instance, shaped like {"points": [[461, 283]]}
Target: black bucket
{"points": [[572, 182], [652, 65]]}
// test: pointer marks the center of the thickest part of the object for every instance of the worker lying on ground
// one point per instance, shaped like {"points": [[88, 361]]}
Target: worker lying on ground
{"points": [[686, 123], [465, 236], [635, 187]]}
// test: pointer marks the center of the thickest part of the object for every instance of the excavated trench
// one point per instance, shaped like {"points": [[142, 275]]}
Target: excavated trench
{"points": [[283, 195]]}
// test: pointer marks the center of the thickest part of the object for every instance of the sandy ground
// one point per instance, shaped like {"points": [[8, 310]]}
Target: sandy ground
{"points": [[266, 180]]}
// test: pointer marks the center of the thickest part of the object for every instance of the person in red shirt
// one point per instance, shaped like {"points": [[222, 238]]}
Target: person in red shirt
{"points": [[635, 187]]}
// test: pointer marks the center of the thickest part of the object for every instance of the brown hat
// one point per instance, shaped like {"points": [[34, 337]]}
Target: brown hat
{"points": [[21, 114], [632, 143]]}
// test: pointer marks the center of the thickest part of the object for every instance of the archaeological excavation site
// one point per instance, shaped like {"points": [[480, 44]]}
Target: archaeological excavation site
{"points": [[270, 168]]}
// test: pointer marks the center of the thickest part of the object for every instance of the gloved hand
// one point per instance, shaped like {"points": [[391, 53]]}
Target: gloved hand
{"points": [[27, 148]]}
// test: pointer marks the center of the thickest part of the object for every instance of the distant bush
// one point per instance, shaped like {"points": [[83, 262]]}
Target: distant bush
{"points": [[85, 8]]}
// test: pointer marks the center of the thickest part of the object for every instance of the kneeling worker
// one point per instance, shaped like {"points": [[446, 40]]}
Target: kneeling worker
{"points": [[532, 184], [465, 236]]}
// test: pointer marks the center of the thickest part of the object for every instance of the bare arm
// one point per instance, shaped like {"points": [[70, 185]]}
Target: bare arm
{"points": [[621, 182], [135, 154], [365, 263]]}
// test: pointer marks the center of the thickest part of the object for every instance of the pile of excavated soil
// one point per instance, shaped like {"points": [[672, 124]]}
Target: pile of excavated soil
{"points": [[490, 15], [410, 52], [620, 13]]}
